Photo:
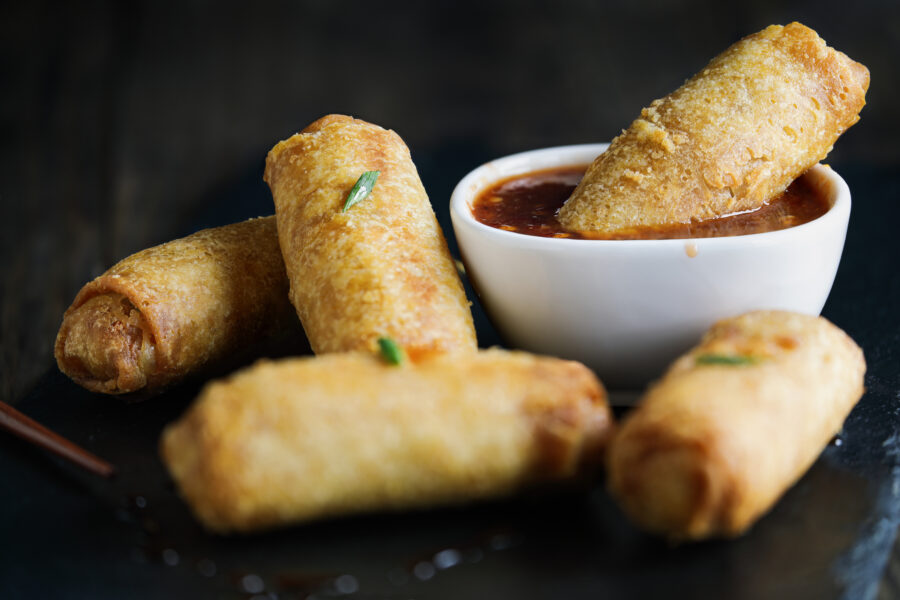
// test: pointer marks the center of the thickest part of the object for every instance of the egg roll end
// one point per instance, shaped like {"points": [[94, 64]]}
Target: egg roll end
{"points": [[105, 345]]}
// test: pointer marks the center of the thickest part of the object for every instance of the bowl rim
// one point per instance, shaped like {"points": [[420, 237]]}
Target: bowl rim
{"points": [[540, 159]]}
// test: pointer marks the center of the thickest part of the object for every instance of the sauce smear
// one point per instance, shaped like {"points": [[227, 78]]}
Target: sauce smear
{"points": [[528, 204]]}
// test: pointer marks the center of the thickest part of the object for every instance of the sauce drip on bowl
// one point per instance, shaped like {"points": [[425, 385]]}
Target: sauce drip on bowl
{"points": [[528, 204]]}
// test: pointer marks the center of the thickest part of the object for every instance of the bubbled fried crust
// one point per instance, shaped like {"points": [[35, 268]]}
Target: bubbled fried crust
{"points": [[382, 268], [730, 139], [300, 439], [712, 447], [188, 305]]}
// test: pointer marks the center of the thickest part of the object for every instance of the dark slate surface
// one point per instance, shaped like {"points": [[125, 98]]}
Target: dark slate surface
{"points": [[68, 534]]}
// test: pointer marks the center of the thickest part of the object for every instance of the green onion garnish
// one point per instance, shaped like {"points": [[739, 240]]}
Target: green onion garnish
{"points": [[726, 359], [361, 189], [390, 351]]}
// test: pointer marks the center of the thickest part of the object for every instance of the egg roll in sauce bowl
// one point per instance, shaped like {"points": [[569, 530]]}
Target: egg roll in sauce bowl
{"points": [[731, 139]]}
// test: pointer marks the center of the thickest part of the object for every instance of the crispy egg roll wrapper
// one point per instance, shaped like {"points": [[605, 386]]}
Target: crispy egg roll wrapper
{"points": [[381, 268], [730, 139], [712, 447], [299, 439], [180, 308]]}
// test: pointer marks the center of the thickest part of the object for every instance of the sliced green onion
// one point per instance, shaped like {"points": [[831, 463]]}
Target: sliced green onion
{"points": [[361, 189], [726, 359], [390, 351]]}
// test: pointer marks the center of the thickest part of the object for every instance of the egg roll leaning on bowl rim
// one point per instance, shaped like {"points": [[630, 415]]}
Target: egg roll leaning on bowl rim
{"points": [[180, 309], [306, 438], [734, 423], [380, 267], [731, 139]]}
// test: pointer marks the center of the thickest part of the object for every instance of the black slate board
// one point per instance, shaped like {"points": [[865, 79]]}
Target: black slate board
{"points": [[66, 534]]}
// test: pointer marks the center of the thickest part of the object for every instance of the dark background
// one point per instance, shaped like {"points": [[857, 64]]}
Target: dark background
{"points": [[122, 122], [125, 124]]}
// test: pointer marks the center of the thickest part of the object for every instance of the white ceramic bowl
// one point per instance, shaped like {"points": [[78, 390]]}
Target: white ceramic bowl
{"points": [[627, 308]]}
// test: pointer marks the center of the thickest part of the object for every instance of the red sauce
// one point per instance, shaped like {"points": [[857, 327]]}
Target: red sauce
{"points": [[528, 204]]}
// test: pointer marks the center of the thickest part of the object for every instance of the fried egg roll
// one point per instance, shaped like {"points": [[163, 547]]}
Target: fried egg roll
{"points": [[734, 423], [380, 268], [289, 441], [730, 139], [170, 311]]}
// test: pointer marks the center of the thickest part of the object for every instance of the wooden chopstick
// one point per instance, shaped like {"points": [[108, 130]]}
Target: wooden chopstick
{"points": [[26, 428]]}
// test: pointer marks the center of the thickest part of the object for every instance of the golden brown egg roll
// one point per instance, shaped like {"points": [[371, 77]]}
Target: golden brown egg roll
{"points": [[289, 441], [734, 423], [381, 268], [177, 309], [730, 139]]}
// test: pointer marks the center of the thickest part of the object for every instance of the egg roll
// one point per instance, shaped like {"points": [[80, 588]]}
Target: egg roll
{"points": [[299, 439], [178, 309], [380, 268], [730, 139], [734, 423]]}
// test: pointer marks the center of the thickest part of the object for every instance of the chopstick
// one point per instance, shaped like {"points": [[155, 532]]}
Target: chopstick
{"points": [[28, 429]]}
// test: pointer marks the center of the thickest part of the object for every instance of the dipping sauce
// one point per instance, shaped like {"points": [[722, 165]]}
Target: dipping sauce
{"points": [[528, 204]]}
